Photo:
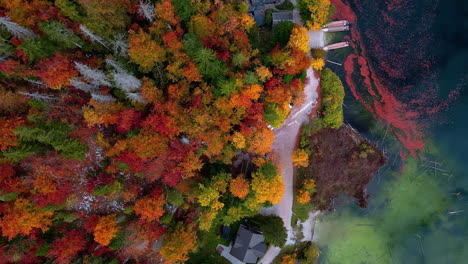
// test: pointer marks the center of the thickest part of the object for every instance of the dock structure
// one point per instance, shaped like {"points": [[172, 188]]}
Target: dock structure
{"points": [[338, 45], [316, 39], [335, 29], [338, 23]]}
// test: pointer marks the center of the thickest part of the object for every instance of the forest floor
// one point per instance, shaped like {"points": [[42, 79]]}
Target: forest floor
{"points": [[283, 147]]}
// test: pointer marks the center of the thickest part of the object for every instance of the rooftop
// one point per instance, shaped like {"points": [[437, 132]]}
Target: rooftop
{"points": [[282, 16], [249, 245], [262, 2]]}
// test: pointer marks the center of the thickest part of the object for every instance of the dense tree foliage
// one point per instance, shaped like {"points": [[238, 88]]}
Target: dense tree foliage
{"points": [[300, 158], [272, 227], [304, 252], [289, 259], [178, 244], [315, 13], [282, 32], [126, 127], [332, 99], [21, 217]]}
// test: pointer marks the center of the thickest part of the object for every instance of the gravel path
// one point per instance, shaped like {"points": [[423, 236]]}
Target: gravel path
{"points": [[283, 147]]}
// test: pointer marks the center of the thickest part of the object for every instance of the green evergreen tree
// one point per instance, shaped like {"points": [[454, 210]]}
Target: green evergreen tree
{"points": [[6, 49], [272, 115], [69, 9], [175, 197], [238, 59], [269, 170], [184, 9], [251, 78], [225, 87], [36, 48], [45, 134], [58, 33], [208, 64], [272, 227], [332, 99], [281, 33]]}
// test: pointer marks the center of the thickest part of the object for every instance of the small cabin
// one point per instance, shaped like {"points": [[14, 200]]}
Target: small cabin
{"points": [[282, 16], [249, 245]]}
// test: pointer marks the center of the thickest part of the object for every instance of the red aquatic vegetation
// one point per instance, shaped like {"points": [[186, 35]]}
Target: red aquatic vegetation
{"points": [[379, 99]]}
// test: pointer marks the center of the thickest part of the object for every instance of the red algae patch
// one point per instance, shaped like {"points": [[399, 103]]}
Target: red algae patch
{"points": [[375, 96]]}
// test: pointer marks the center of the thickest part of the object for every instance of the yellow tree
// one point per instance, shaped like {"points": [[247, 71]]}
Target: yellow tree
{"points": [[177, 244], [317, 64], [299, 39], [206, 218], [267, 190], [201, 25], [106, 19], [220, 182], [106, 113], [300, 158], [238, 140], [314, 12], [246, 21], [143, 50], [105, 229], [263, 73], [208, 197], [234, 214], [21, 217]]}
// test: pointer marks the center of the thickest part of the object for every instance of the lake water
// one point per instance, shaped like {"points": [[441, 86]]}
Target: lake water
{"points": [[406, 77]]}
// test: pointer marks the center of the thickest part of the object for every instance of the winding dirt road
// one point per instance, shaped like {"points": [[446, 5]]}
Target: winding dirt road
{"points": [[283, 147]]}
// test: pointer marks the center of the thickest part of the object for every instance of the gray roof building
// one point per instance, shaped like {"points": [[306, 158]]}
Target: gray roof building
{"points": [[249, 245], [262, 2], [282, 16]]}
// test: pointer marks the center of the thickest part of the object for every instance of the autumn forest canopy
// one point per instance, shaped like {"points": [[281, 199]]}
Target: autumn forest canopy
{"points": [[127, 129]]}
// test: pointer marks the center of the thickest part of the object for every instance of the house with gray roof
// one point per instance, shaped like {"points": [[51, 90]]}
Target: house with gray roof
{"points": [[263, 2], [282, 16], [249, 245]]}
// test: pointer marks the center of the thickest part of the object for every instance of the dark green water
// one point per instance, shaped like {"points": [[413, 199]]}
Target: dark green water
{"points": [[418, 214]]}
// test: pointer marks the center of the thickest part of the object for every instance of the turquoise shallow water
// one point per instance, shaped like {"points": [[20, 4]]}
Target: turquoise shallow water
{"points": [[418, 214]]}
